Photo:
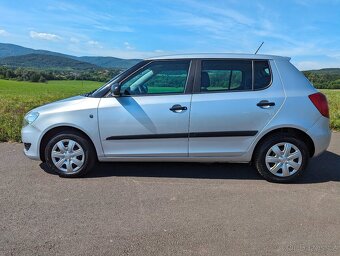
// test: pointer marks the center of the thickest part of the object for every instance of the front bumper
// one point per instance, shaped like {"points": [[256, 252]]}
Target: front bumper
{"points": [[321, 135], [31, 135]]}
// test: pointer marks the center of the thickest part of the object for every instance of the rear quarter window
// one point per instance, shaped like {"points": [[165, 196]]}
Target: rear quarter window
{"points": [[262, 74]]}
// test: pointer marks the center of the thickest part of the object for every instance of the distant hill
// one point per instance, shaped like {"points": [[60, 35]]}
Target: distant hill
{"points": [[9, 50], [12, 50], [329, 71], [44, 61], [109, 62], [17, 56]]}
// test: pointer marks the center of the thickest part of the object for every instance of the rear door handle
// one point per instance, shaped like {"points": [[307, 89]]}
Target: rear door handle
{"points": [[178, 108], [265, 104]]}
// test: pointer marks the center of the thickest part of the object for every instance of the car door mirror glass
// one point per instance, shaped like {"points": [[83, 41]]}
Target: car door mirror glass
{"points": [[115, 89]]}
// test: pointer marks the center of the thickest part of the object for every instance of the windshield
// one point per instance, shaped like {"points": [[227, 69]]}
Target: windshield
{"points": [[104, 89], [101, 88]]}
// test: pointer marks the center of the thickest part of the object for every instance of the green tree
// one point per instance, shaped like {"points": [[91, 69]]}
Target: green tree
{"points": [[34, 77], [42, 79]]}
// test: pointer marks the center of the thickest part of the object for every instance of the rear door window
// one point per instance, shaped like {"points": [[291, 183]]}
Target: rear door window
{"points": [[226, 75]]}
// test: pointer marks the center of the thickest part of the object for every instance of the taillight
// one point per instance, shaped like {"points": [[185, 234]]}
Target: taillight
{"points": [[320, 102]]}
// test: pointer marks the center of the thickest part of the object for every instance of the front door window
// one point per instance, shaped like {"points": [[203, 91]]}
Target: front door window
{"points": [[158, 77]]}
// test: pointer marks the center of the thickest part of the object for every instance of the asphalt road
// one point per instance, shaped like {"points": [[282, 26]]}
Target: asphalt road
{"points": [[168, 209]]}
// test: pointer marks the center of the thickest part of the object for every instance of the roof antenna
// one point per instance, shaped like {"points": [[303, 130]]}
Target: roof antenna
{"points": [[259, 47]]}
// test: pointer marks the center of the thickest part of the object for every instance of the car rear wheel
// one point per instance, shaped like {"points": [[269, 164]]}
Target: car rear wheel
{"points": [[70, 154], [281, 158]]}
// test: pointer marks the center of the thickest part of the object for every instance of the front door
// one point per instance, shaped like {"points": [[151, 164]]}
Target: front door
{"points": [[151, 117]]}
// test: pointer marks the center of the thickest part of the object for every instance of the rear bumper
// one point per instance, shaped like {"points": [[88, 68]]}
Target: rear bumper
{"points": [[31, 135], [321, 135]]}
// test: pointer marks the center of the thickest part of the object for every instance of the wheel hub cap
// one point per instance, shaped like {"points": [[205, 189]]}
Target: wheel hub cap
{"points": [[283, 159], [68, 156]]}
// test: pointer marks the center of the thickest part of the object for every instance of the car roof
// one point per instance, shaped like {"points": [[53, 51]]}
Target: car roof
{"points": [[218, 56]]}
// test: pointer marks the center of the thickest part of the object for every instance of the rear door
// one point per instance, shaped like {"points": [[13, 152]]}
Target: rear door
{"points": [[151, 118], [233, 101]]}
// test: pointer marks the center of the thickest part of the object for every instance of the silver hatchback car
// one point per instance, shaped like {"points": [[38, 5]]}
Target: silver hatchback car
{"points": [[199, 108]]}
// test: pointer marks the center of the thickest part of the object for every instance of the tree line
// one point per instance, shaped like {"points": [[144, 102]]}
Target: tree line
{"points": [[42, 76], [319, 80], [323, 80]]}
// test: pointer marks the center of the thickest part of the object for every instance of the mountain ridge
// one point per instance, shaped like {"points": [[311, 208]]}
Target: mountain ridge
{"points": [[44, 61], [12, 50]]}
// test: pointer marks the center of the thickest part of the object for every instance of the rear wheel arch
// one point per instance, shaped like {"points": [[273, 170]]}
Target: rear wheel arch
{"points": [[55, 130], [288, 131]]}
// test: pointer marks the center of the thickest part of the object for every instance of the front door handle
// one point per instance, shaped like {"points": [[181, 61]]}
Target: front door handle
{"points": [[178, 108], [265, 104]]}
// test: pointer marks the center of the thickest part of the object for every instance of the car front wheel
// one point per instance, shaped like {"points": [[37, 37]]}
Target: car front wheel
{"points": [[70, 154]]}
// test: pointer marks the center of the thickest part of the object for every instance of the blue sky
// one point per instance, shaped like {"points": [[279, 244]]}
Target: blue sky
{"points": [[306, 30]]}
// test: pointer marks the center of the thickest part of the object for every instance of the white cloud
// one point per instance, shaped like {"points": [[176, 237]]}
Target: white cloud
{"points": [[95, 44], [92, 50], [61, 6], [3, 32], [308, 65], [128, 46], [222, 11], [44, 36], [111, 28], [233, 14], [221, 22], [335, 55], [74, 40]]}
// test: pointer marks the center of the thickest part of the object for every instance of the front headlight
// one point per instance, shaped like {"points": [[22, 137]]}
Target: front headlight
{"points": [[30, 118]]}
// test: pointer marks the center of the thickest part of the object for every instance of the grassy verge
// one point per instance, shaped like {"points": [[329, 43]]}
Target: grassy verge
{"points": [[333, 97], [17, 98]]}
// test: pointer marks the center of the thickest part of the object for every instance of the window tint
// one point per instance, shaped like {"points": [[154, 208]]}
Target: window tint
{"points": [[262, 75], [158, 77], [225, 75]]}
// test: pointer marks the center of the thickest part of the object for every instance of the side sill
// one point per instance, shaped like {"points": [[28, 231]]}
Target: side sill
{"points": [[175, 159]]}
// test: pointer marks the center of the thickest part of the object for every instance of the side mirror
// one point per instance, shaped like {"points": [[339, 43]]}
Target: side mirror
{"points": [[115, 89]]}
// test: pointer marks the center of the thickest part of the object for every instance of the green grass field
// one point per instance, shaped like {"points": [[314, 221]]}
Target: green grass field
{"points": [[333, 97], [17, 98]]}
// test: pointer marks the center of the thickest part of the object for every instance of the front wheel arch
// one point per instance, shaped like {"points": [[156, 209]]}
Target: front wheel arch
{"points": [[50, 133]]}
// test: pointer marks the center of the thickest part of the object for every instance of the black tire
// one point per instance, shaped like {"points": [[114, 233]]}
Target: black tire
{"points": [[264, 147], [89, 153]]}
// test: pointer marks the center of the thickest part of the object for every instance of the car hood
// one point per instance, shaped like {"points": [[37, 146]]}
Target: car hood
{"points": [[68, 104]]}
